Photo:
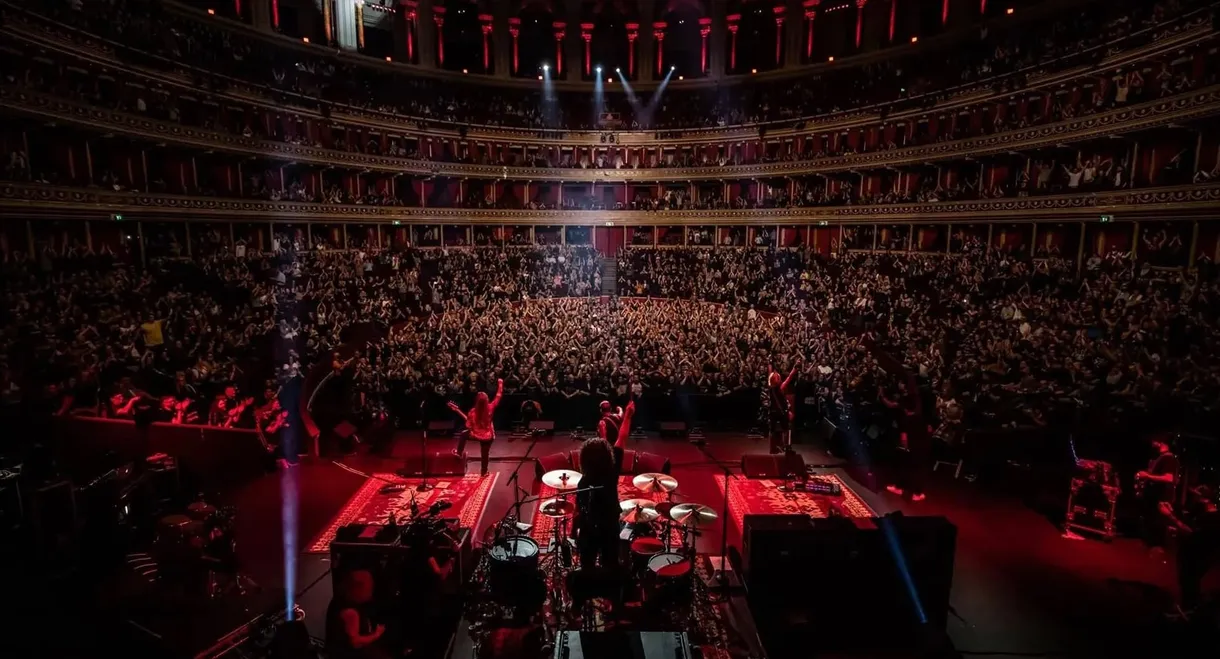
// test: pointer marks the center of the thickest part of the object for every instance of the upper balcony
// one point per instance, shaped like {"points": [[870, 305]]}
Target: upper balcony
{"points": [[358, 88]]}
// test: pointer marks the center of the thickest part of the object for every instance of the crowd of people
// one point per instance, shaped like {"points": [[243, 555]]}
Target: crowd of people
{"points": [[995, 339], [213, 339], [997, 57]]}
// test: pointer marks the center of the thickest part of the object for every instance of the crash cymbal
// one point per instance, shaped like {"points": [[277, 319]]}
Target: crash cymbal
{"points": [[557, 508], [692, 514], [561, 479], [637, 511], [655, 483]]}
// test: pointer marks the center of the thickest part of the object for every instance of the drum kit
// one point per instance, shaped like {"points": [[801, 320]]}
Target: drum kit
{"points": [[198, 551], [658, 536]]}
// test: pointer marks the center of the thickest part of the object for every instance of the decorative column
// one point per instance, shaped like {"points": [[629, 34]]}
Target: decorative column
{"points": [[586, 36], [502, 41], [438, 17], [425, 32], [658, 33], [944, 12], [860, 19], [485, 27], [705, 31], [716, 43], [811, 12], [514, 33], [779, 33], [633, 35], [733, 19], [260, 18], [405, 47], [560, 34], [793, 34]]}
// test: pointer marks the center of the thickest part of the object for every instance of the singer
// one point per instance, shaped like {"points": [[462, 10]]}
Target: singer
{"points": [[479, 424]]}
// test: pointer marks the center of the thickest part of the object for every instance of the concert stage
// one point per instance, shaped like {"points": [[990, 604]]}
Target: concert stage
{"points": [[1018, 585]]}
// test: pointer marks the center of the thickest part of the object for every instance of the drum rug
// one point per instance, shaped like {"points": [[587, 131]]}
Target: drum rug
{"points": [[468, 494], [761, 497], [543, 525]]}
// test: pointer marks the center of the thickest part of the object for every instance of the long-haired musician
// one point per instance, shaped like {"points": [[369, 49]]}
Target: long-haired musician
{"points": [[479, 424], [597, 509], [350, 631]]}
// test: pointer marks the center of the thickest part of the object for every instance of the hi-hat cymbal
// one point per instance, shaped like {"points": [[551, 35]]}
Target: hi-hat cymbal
{"points": [[637, 511], [692, 514], [561, 479], [557, 508], [655, 483]]}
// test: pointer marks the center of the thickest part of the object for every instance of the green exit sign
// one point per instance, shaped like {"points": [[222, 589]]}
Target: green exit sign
{"points": [[1107, 218]]}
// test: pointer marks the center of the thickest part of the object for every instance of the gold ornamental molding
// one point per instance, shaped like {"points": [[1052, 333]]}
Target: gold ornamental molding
{"points": [[1178, 108], [53, 202], [1191, 28]]}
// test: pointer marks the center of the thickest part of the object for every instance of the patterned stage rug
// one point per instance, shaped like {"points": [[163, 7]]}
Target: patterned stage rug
{"points": [[543, 526], [468, 495], [762, 497]]}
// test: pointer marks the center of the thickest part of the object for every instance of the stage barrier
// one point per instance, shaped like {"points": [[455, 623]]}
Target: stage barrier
{"points": [[211, 456]]}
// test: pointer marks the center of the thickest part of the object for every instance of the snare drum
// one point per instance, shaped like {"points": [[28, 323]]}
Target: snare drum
{"points": [[642, 550]]}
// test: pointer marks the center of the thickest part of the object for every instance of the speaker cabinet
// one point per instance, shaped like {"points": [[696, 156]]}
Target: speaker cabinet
{"points": [[882, 583]]}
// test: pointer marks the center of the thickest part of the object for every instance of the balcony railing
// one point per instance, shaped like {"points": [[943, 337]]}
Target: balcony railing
{"points": [[1171, 109], [46, 201]]}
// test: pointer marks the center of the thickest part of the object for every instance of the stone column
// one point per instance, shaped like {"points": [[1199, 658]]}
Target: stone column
{"points": [[260, 17], [425, 28], [794, 33], [716, 42], [644, 46], [501, 39]]}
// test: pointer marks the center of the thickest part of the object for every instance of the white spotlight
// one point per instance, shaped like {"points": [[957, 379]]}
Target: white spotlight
{"points": [[546, 67], [598, 69]]}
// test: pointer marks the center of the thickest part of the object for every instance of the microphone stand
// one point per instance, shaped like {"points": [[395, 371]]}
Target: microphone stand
{"points": [[720, 592], [518, 501]]}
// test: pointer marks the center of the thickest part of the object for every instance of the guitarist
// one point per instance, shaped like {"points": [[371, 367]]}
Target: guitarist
{"points": [[1198, 545], [1157, 485]]}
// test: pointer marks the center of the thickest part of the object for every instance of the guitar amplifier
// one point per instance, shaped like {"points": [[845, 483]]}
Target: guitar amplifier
{"points": [[622, 645]]}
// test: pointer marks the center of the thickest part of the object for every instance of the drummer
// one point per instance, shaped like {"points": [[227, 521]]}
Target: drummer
{"points": [[597, 509]]}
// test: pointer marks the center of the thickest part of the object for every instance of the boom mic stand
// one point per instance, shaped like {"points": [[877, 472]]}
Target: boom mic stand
{"points": [[515, 479], [720, 592]]}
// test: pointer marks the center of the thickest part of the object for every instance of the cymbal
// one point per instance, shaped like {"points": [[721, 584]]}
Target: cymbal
{"points": [[557, 508], [692, 514], [637, 511], [561, 479], [655, 483]]}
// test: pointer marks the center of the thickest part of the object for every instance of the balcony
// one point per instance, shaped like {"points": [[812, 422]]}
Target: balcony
{"points": [[29, 200]]}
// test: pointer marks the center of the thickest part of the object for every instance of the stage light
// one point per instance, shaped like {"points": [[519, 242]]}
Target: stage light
{"points": [[681, 77], [617, 70], [830, 59], [1009, 11], [540, 77], [211, 12], [598, 69], [753, 70], [914, 39], [546, 67], [609, 80], [305, 39], [389, 59], [672, 68], [465, 71]]}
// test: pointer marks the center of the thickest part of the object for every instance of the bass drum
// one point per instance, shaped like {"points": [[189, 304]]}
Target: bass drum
{"points": [[513, 576], [669, 578]]}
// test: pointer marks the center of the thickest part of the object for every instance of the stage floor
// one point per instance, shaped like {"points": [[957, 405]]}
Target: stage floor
{"points": [[1018, 586]]}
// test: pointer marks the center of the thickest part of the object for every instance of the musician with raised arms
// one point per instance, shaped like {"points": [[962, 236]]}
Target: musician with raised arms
{"points": [[479, 424]]}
